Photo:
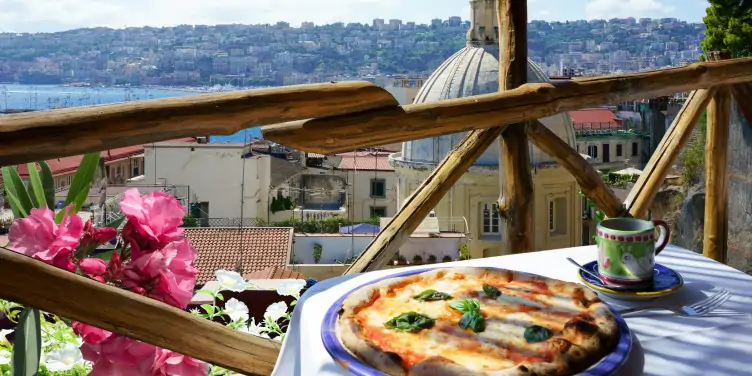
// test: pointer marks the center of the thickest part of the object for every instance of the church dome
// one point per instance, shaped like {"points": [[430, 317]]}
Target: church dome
{"points": [[475, 71]]}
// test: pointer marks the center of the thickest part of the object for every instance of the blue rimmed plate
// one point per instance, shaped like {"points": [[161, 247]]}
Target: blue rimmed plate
{"points": [[665, 282], [605, 367]]}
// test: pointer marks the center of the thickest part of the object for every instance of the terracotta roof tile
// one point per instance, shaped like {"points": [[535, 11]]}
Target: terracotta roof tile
{"points": [[275, 273], [219, 248], [594, 118], [365, 160]]}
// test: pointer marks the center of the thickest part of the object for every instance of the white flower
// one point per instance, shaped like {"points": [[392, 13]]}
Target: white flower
{"points": [[255, 329], [236, 310], [5, 356], [230, 281], [275, 311], [291, 288], [4, 334], [64, 358]]}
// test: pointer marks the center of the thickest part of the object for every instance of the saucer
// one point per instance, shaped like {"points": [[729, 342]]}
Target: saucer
{"points": [[666, 281]]}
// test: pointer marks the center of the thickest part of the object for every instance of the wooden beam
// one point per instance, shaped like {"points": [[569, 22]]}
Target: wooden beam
{"points": [[593, 187], [40, 135], [678, 134], [34, 283], [515, 180], [416, 208], [715, 229], [528, 102]]}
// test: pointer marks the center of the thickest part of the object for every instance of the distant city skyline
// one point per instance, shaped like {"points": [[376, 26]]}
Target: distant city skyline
{"points": [[59, 15]]}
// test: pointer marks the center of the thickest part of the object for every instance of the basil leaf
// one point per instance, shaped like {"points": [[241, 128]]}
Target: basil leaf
{"points": [[431, 295], [466, 305], [535, 333], [410, 322], [474, 321], [491, 291]]}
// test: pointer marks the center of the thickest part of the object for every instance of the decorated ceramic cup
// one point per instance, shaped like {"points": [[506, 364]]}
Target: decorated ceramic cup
{"points": [[626, 250]]}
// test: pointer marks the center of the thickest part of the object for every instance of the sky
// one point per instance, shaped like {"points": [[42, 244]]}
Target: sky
{"points": [[57, 15]]}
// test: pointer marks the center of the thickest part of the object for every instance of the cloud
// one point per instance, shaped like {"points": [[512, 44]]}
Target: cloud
{"points": [[607, 9]]}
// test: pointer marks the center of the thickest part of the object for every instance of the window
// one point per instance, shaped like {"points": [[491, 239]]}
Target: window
{"points": [[118, 171], [606, 153], [592, 151], [618, 150], [136, 167], [378, 211], [557, 216], [378, 188], [490, 219], [578, 147], [634, 148]]}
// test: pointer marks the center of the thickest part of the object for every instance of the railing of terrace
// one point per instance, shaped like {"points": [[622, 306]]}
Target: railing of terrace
{"points": [[334, 117]]}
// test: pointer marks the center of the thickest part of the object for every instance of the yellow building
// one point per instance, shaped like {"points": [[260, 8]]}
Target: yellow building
{"points": [[472, 71]]}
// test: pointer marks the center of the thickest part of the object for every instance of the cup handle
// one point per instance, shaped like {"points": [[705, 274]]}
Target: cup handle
{"points": [[663, 237]]}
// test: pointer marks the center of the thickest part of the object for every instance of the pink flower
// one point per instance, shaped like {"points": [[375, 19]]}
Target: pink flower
{"points": [[167, 275], [38, 236], [97, 236], [92, 266], [168, 362], [115, 267], [153, 220], [118, 355], [90, 334]]}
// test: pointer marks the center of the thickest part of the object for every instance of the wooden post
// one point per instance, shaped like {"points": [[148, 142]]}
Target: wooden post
{"points": [[591, 183], [715, 237], [515, 180], [386, 244], [650, 181]]}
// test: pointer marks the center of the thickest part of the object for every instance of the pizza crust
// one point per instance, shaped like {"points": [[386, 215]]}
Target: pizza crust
{"points": [[584, 340]]}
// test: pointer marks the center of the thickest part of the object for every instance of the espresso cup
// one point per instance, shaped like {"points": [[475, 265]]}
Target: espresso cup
{"points": [[626, 251]]}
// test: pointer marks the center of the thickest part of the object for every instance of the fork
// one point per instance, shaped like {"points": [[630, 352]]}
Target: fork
{"points": [[701, 308]]}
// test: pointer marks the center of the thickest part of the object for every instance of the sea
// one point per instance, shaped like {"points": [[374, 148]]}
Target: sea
{"points": [[44, 97]]}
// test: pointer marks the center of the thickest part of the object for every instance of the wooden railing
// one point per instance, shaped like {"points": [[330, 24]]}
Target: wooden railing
{"points": [[335, 117]]}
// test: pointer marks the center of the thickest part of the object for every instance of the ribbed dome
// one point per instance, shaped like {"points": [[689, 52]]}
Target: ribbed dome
{"points": [[473, 71]]}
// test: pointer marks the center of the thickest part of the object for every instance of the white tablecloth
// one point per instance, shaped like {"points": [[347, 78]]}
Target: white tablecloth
{"points": [[664, 345]]}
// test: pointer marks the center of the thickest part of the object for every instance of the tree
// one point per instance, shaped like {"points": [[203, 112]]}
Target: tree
{"points": [[729, 27]]}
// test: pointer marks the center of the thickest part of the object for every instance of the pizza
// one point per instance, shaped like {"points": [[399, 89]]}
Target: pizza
{"points": [[476, 321]]}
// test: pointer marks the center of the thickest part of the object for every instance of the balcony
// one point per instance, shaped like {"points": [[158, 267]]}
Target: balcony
{"points": [[337, 117]]}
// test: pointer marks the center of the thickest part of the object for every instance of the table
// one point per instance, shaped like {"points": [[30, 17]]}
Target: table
{"points": [[664, 344]]}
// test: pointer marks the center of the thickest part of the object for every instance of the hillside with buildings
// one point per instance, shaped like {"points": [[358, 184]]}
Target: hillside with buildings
{"points": [[281, 54]]}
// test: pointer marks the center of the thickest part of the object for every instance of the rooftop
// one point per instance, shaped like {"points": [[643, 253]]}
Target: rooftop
{"points": [[258, 248], [594, 118], [365, 160]]}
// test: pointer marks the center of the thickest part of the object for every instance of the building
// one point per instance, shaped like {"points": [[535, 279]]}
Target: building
{"points": [[356, 185], [218, 181], [473, 71], [613, 143]]}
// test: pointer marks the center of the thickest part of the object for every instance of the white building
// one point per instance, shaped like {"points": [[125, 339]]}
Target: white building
{"points": [[216, 176]]}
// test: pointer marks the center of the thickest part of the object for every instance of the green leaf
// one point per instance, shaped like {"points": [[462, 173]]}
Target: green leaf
{"points": [[48, 183], [410, 322], [79, 189], [535, 333], [27, 346], [220, 296], [432, 295], [491, 291], [208, 308], [466, 305], [473, 320], [36, 192], [20, 202]]}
